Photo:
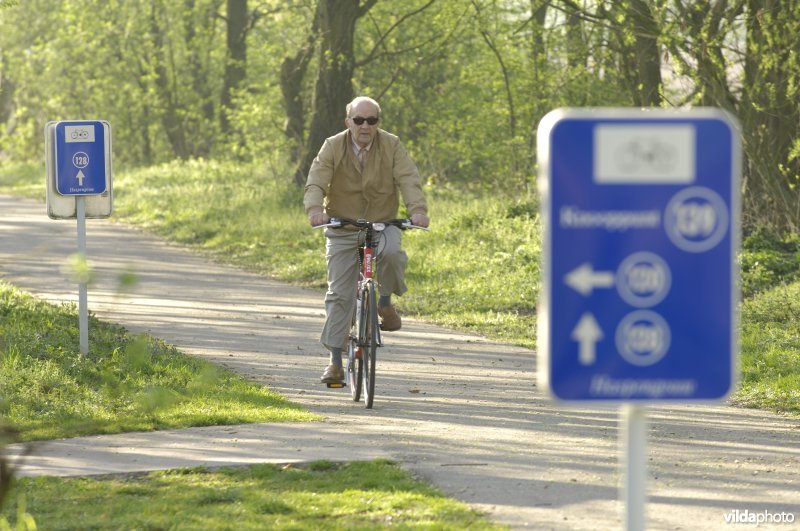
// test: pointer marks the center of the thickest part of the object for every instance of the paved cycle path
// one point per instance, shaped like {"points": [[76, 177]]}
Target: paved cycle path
{"points": [[454, 409]]}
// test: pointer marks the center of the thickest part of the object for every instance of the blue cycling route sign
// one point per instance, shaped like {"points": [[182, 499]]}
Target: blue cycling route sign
{"points": [[641, 212], [80, 153]]}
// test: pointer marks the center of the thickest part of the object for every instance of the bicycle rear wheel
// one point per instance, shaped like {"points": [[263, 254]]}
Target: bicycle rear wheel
{"points": [[371, 345], [355, 368]]}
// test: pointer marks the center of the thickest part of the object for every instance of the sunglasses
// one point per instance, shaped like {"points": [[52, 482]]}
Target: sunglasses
{"points": [[358, 120]]}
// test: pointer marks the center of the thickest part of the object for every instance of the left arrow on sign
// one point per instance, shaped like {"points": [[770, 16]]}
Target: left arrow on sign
{"points": [[587, 333], [584, 279]]}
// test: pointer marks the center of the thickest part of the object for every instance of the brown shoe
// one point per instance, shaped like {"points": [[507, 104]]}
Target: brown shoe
{"points": [[332, 374], [390, 321]]}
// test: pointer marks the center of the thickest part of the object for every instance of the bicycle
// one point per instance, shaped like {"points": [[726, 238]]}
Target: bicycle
{"points": [[365, 333]]}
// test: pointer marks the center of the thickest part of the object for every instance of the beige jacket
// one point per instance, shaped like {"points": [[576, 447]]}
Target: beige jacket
{"points": [[336, 184]]}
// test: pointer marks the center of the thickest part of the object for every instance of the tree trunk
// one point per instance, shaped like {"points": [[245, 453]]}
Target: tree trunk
{"points": [[197, 47], [705, 23], [648, 84], [334, 88], [236, 62], [769, 115], [293, 73], [6, 92], [539, 51], [637, 49], [577, 56], [170, 118]]}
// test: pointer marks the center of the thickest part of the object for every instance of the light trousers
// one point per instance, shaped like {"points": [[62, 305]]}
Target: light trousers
{"points": [[341, 253]]}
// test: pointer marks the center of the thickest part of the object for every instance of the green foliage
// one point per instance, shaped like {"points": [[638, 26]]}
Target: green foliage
{"points": [[465, 110], [24, 178], [359, 495], [449, 99], [463, 83], [125, 383], [152, 71]]}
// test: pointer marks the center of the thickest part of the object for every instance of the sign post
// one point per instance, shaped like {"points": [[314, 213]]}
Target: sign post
{"points": [[639, 301], [83, 288], [78, 162]]}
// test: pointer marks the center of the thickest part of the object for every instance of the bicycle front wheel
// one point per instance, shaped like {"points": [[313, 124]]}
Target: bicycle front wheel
{"points": [[355, 368], [372, 338]]}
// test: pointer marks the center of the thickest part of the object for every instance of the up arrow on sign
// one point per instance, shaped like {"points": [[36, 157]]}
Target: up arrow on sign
{"points": [[587, 333]]}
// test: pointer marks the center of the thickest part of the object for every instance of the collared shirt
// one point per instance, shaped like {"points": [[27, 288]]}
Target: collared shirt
{"points": [[358, 148]]}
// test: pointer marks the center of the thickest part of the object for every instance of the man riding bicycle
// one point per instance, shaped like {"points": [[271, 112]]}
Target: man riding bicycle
{"points": [[356, 175]]}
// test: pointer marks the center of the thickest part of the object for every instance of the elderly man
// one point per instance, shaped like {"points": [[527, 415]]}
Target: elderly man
{"points": [[357, 175]]}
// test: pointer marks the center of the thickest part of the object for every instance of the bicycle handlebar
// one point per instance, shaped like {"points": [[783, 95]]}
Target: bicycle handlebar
{"points": [[402, 224]]}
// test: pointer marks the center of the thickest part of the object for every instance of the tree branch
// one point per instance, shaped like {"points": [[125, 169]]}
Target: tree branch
{"points": [[372, 54], [365, 8], [512, 119]]}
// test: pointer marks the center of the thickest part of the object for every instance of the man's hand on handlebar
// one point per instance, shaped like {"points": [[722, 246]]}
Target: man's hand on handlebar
{"points": [[419, 219], [317, 216]]}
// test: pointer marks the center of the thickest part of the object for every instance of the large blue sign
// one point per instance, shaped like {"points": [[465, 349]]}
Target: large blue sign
{"points": [[642, 219], [80, 158]]}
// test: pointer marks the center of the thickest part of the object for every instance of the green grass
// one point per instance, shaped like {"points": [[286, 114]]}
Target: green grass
{"points": [[477, 270], [768, 260], [125, 382], [238, 213], [323, 495], [771, 350]]}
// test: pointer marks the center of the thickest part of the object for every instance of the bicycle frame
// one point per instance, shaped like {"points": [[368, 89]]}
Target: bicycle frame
{"points": [[368, 258]]}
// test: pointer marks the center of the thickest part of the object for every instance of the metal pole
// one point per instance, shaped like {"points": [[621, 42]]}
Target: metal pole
{"points": [[634, 434], [83, 299]]}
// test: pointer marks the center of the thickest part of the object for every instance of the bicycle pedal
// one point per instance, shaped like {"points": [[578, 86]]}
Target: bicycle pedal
{"points": [[335, 385]]}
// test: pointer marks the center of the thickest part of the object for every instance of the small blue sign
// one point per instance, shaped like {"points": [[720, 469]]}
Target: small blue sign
{"points": [[640, 275], [81, 158]]}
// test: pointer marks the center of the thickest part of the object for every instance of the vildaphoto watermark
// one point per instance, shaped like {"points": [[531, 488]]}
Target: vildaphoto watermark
{"points": [[746, 516]]}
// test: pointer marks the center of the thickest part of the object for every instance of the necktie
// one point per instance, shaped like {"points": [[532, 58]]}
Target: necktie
{"points": [[362, 158]]}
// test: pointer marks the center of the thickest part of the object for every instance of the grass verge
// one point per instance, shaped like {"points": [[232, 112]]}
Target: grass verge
{"points": [[770, 350], [322, 495], [125, 383]]}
